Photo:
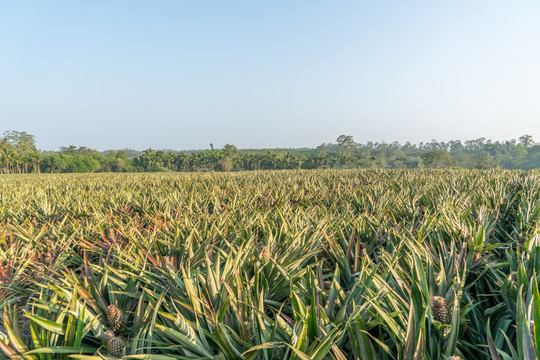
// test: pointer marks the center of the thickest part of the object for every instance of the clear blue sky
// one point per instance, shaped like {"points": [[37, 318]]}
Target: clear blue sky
{"points": [[183, 74]]}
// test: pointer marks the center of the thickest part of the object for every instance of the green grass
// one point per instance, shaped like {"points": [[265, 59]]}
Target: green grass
{"points": [[271, 265]]}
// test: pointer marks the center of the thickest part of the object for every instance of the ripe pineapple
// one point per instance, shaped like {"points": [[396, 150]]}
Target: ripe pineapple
{"points": [[265, 253], [455, 357], [25, 327], [111, 234], [210, 252], [169, 262], [48, 258], [116, 317], [43, 262], [439, 309], [247, 327], [114, 344], [327, 285]]}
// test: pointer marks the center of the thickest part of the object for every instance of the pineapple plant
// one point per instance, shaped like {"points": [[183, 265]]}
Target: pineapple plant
{"points": [[196, 307]]}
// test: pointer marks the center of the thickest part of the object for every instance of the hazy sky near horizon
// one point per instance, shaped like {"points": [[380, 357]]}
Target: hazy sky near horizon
{"points": [[184, 74]]}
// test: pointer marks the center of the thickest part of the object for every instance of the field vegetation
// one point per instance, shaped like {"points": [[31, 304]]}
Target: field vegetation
{"points": [[19, 155], [321, 264]]}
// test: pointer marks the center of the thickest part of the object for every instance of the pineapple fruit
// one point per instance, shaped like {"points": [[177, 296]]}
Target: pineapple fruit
{"points": [[265, 253], [115, 345], [116, 317], [439, 309]]}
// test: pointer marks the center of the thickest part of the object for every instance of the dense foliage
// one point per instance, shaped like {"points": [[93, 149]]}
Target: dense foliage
{"points": [[325, 264], [18, 154]]}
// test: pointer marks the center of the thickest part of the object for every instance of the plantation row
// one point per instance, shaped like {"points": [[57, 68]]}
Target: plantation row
{"points": [[326, 264]]}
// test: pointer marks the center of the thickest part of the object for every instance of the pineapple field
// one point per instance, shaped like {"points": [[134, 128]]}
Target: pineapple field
{"points": [[322, 264]]}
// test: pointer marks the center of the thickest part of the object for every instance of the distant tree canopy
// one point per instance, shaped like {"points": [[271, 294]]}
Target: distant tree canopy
{"points": [[436, 159], [18, 154]]}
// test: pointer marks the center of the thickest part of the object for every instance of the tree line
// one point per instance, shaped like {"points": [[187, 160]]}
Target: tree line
{"points": [[19, 154]]}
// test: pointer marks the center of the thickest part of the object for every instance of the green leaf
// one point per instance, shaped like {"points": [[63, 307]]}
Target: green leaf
{"points": [[62, 350], [491, 344], [51, 326], [312, 321], [536, 317]]}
